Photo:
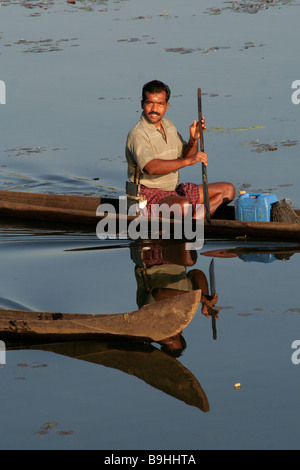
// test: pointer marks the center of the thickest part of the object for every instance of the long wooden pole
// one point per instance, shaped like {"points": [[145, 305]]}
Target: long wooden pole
{"points": [[204, 169]]}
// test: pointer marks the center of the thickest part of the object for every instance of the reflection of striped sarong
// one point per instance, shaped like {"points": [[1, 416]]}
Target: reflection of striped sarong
{"points": [[154, 256], [188, 190]]}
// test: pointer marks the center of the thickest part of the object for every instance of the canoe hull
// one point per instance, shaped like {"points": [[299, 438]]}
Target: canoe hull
{"points": [[81, 211]]}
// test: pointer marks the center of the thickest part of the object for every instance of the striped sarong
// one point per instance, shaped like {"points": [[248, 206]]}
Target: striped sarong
{"points": [[187, 190]]}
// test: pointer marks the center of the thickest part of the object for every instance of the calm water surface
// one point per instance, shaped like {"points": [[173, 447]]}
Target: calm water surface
{"points": [[73, 76]]}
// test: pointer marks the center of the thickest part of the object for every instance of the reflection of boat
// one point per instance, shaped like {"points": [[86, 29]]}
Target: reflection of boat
{"points": [[250, 252], [143, 361], [81, 210], [150, 323]]}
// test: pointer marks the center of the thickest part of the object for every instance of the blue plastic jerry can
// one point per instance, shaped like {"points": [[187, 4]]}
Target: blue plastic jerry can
{"points": [[254, 207]]}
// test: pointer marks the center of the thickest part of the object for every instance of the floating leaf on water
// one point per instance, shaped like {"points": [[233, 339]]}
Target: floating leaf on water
{"points": [[262, 147], [180, 50], [50, 425], [128, 40], [25, 150], [139, 18], [65, 433], [42, 432], [46, 427], [289, 143], [214, 11], [223, 129], [248, 6], [42, 45], [293, 311], [250, 44], [217, 129], [189, 50]]}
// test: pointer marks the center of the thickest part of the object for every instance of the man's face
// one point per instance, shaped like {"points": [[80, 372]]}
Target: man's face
{"points": [[155, 106]]}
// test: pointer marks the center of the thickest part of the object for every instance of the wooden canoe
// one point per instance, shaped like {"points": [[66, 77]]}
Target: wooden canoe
{"points": [[81, 212], [154, 322]]}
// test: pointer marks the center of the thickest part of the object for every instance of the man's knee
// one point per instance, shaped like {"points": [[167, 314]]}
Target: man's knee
{"points": [[226, 191], [186, 206], [229, 192]]}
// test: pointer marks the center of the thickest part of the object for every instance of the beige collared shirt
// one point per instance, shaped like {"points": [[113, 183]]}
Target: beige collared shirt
{"points": [[145, 143]]}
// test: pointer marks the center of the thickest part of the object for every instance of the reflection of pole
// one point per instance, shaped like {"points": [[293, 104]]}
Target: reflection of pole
{"points": [[213, 324], [212, 293]]}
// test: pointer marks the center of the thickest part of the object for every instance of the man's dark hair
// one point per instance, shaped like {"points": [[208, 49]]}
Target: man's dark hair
{"points": [[155, 86]]}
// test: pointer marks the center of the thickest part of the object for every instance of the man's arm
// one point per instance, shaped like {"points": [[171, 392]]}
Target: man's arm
{"points": [[190, 156], [163, 167], [191, 148], [192, 145]]}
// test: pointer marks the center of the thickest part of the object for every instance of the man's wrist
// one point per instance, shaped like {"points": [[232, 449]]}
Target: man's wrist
{"points": [[185, 162]]}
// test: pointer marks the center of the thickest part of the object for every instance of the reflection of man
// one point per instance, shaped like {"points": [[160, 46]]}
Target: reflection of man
{"points": [[158, 150], [161, 272]]}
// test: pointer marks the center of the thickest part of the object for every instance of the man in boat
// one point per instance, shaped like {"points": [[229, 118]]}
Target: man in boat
{"points": [[156, 152]]}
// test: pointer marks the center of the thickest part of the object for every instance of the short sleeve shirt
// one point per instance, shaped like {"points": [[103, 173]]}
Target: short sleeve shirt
{"points": [[145, 143]]}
